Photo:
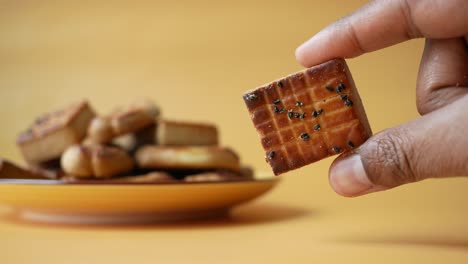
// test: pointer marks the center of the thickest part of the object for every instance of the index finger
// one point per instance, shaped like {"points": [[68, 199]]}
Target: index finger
{"points": [[383, 23]]}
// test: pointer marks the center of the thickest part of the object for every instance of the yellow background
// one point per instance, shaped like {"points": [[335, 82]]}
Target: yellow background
{"points": [[196, 58]]}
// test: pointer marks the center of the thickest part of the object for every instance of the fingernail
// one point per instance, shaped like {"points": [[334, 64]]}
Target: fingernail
{"points": [[348, 177], [309, 49], [299, 53]]}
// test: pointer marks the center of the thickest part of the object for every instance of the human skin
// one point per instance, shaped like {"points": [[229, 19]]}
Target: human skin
{"points": [[432, 146]]}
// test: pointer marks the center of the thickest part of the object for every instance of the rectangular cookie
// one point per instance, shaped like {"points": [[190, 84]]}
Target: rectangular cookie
{"points": [[176, 133], [52, 133], [122, 121], [308, 116], [134, 117], [169, 133]]}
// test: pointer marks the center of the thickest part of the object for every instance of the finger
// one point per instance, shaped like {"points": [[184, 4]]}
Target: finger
{"points": [[443, 74], [431, 146], [383, 23]]}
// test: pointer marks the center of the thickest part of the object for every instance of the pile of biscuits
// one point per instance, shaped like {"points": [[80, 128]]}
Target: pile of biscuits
{"points": [[131, 144]]}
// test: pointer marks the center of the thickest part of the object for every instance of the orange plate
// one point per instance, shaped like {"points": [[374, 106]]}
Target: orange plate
{"points": [[55, 202]]}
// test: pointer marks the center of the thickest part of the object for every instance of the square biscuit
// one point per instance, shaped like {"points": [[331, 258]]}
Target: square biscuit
{"points": [[308, 116], [52, 133]]}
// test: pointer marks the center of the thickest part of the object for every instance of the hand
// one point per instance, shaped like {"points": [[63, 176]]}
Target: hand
{"points": [[434, 145]]}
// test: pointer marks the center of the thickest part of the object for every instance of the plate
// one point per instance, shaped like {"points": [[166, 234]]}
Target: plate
{"points": [[53, 201]]}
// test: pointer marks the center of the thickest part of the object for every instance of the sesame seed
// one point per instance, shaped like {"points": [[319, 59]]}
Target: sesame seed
{"points": [[290, 113], [351, 144], [280, 84], [299, 103], [340, 87], [271, 155], [329, 88], [317, 127], [348, 102], [344, 97], [278, 110], [303, 115], [277, 101], [250, 97], [317, 112], [305, 136], [297, 115], [336, 149]]}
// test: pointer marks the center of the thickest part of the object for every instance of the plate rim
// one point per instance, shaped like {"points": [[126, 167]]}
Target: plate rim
{"points": [[52, 182]]}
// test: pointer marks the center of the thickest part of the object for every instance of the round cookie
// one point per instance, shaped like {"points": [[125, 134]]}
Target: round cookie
{"points": [[95, 161], [215, 176], [187, 158], [151, 177], [99, 131]]}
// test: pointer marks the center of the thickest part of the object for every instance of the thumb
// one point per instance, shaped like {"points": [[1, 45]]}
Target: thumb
{"points": [[432, 146]]}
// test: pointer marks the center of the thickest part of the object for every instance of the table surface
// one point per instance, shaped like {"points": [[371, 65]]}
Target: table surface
{"points": [[420, 225], [196, 58]]}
